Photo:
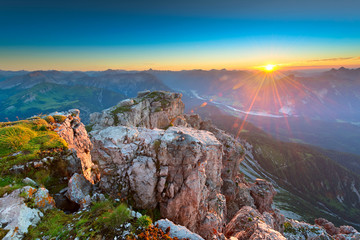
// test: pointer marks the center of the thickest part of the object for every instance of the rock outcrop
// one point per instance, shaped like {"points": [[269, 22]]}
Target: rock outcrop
{"points": [[189, 169], [263, 193], [178, 231], [296, 230], [16, 216], [249, 223], [79, 190], [338, 233], [73, 131], [155, 157], [150, 110], [178, 170]]}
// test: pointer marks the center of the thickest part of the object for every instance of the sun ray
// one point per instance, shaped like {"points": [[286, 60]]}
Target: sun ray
{"points": [[250, 107]]}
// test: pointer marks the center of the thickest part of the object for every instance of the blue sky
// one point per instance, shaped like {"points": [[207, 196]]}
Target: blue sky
{"points": [[208, 34]]}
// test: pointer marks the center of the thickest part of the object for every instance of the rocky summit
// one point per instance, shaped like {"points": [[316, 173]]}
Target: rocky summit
{"points": [[146, 170]]}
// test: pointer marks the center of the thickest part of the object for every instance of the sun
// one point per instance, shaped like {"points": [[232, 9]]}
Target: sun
{"points": [[270, 67]]}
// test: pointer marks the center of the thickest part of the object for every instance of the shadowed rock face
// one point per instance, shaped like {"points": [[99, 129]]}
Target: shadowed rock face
{"points": [[73, 131], [178, 169], [263, 193]]}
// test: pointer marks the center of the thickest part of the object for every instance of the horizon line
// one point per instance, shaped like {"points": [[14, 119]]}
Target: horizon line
{"points": [[293, 68]]}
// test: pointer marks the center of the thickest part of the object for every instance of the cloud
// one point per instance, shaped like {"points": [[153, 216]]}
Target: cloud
{"points": [[332, 59]]}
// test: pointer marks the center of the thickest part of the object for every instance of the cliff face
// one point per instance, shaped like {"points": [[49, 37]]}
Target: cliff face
{"points": [[147, 153], [73, 131], [180, 169], [156, 157], [177, 170]]}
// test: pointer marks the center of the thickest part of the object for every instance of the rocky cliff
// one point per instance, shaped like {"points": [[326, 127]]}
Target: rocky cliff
{"points": [[159, 158], [147, 153]]}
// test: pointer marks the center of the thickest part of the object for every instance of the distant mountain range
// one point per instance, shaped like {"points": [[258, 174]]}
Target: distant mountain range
{"points": [[302, 173], [25, 94], [319, 109], [329, 96]]}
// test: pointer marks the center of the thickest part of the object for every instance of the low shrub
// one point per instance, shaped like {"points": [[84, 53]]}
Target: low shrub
{"points": [[49, 119], [114, 218], [59, 118], [143, 222]]}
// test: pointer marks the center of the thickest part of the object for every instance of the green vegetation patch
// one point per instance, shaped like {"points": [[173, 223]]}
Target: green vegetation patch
{"points": [[105, 219], [158, 97], [118, 110], [25, 141], [89, 127], [288, 228], [49, 119], [157, 144], [3, 233], [59, 118]]}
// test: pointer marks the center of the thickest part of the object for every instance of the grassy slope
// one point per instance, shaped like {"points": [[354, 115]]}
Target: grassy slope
{"points": [[48, 97], [31, 140], [26, 141]]}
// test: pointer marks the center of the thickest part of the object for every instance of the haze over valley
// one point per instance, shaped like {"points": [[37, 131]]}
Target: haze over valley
{"points": [[200, 120]]}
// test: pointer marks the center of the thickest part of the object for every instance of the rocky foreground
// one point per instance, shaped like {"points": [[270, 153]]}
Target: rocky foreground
{"points": [[145, 152]]}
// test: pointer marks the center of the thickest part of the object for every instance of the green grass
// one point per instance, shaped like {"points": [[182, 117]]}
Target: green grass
{"points": [[288, 228], [118, 110], [59, 118], [158, 97], [30, 137], [9, 184], [143, 222], [89, 127], [25, 141], [49, 119], [104, 219]]}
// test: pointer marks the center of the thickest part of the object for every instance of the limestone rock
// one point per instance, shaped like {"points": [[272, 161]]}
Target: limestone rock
{"points": [[176, 230], [248, 223], [235, 189], [259, 231], [347, 230], [78, 190], [244, 219], [328, 226], [263, 193], [142, 178], [29, 181], [296, 230], [43, 199], [178, 169], [338, 233], [73, 131], [151, 110], [237, 195], [16, 217]]}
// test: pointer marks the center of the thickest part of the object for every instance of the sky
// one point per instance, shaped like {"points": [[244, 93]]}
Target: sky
{"points": [[176, 35]]}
